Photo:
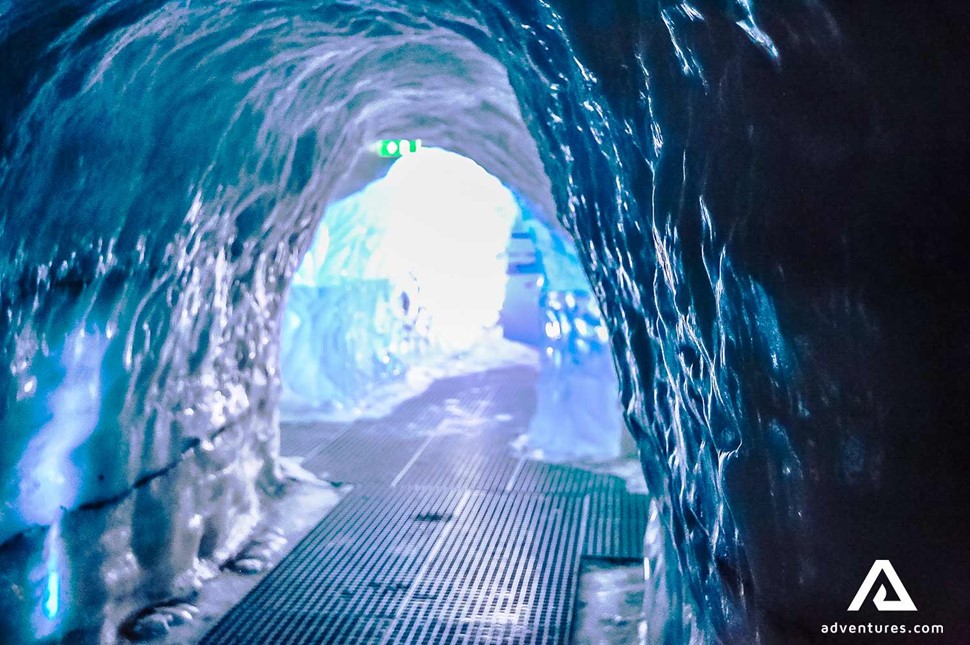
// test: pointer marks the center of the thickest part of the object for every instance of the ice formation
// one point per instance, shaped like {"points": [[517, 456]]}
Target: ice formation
{"points": [[768, 199], [578, 413]]}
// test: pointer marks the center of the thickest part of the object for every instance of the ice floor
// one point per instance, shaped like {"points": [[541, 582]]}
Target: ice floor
{"points": [[446, 534]]}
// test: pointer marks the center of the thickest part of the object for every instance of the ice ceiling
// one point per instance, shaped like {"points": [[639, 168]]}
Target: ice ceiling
{"points": [[766, 196]]}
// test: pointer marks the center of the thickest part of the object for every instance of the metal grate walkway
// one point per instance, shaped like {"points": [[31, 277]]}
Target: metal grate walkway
{"points": [[446, 537]]}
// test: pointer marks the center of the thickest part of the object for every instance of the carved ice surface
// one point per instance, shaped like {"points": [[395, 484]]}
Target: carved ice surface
{"points": [[49, 470], [578, 413]]}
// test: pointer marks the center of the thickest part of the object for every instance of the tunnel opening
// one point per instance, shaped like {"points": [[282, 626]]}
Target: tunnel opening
{"points": [[435, 270], [409, 270]]}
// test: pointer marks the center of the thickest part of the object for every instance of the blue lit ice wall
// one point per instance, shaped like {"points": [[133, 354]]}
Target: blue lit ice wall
{"points": [[562, 268], [782, 262], [578, 414], [412, 268], [50, 469]]}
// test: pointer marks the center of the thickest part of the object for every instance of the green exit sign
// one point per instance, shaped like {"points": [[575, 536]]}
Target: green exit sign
{"points": [[397, 147]]}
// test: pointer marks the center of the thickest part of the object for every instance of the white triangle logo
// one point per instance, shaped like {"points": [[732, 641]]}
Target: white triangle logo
{"points": [[905, 603]]}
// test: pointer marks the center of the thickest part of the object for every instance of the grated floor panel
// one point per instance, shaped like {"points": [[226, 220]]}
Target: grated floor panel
{"points": [[363, 456], [447, 537], [307, 439], [506, 573], [617, 523]]}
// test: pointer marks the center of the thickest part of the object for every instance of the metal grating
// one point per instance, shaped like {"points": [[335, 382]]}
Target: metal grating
{"points": [[617, 523], [305, 439], [506, 573], [462, 462], [365, 457], [447, 538], [422, 566], [345, 581], [541, 477]]}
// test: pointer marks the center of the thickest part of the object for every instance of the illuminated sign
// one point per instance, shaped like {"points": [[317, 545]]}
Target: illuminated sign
{"points": [[394, 148]]}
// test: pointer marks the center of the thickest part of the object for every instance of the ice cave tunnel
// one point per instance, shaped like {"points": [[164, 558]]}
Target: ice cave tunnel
{"points": [[490, 321]]}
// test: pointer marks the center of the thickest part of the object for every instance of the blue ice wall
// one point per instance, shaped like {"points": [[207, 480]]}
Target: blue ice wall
{"points": [[562, 269], [782, 261], [162, 169], [578, 413]]}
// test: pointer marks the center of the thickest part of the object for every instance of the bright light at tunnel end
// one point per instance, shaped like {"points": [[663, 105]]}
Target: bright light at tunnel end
{"points": [[436, 227]]}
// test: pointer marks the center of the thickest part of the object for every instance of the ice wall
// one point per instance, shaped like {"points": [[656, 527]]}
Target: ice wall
{"points": [[782, 262], [578, 414]]}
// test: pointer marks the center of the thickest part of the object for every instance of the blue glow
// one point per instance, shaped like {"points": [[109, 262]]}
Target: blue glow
{"points": [[578, 412], [46, 616], [51, 599], [49, 476]]}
